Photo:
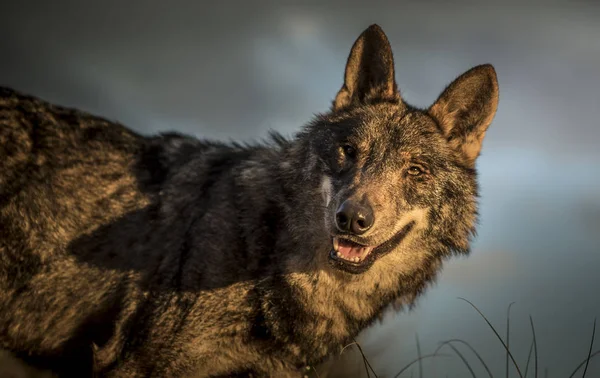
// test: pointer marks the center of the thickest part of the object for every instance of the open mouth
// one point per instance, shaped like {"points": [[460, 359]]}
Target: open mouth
{"points": [[356, 258], [350, 251]]}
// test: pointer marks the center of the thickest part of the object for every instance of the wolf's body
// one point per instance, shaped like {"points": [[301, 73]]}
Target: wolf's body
{"points": [[131, 256]]}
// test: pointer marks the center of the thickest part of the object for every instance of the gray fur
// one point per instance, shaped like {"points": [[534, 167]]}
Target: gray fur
{"points": [[123, 255]]}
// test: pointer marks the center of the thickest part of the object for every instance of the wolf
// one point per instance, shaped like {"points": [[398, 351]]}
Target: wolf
{"points": [[124, 255]]}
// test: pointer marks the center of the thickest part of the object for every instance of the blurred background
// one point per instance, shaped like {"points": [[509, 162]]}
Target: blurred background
{"points": [[234, 70]]}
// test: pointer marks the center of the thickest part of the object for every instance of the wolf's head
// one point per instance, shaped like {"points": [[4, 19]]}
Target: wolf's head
{"points": [[398, 184]]}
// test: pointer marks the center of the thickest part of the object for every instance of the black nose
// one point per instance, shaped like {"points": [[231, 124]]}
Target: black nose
{"points": [[354, 217]]}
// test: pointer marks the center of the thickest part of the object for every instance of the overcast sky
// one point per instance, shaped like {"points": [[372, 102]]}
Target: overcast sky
{"points": [[237, 69]]}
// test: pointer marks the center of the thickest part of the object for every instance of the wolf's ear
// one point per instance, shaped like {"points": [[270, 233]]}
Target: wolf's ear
{"points": [[369, 73], [466, 108]]}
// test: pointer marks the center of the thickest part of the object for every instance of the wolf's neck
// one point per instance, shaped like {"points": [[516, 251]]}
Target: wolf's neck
{"points": [[315, 309]]}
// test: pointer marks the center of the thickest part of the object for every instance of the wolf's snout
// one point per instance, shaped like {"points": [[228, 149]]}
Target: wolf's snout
{"points": [[354, 217]]}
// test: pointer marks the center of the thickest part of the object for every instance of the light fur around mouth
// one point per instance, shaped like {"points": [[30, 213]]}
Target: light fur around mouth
{"points": [[356, 258]]}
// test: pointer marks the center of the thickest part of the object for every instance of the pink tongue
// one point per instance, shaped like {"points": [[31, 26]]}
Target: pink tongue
{"points": [[349, 250]]}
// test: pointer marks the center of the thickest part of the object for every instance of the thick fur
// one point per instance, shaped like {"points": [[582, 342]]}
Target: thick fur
{"points": [[130, 256]]}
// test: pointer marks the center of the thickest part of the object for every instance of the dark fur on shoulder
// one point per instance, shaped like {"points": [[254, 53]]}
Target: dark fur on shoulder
{"points": [[130, 256]]}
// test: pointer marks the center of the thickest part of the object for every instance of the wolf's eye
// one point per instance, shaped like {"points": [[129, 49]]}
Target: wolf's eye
{"points": [[415, 170], [349, 151]]}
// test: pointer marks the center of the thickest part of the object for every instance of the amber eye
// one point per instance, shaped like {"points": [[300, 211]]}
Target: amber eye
{"points": [[415, 170], [349, 151]]}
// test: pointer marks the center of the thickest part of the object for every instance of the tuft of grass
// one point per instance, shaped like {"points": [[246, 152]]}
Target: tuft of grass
{"points": [[589, 357], [528, 359], [405, 368], [365, 360], [487, 369], [497, 335], [533, 350], [508, 334], [591, 346], [464, 360]]}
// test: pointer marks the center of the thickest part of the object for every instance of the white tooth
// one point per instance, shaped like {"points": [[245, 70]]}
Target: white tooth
{"points": [[356, 259], [336, 244], [338, 254]]}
